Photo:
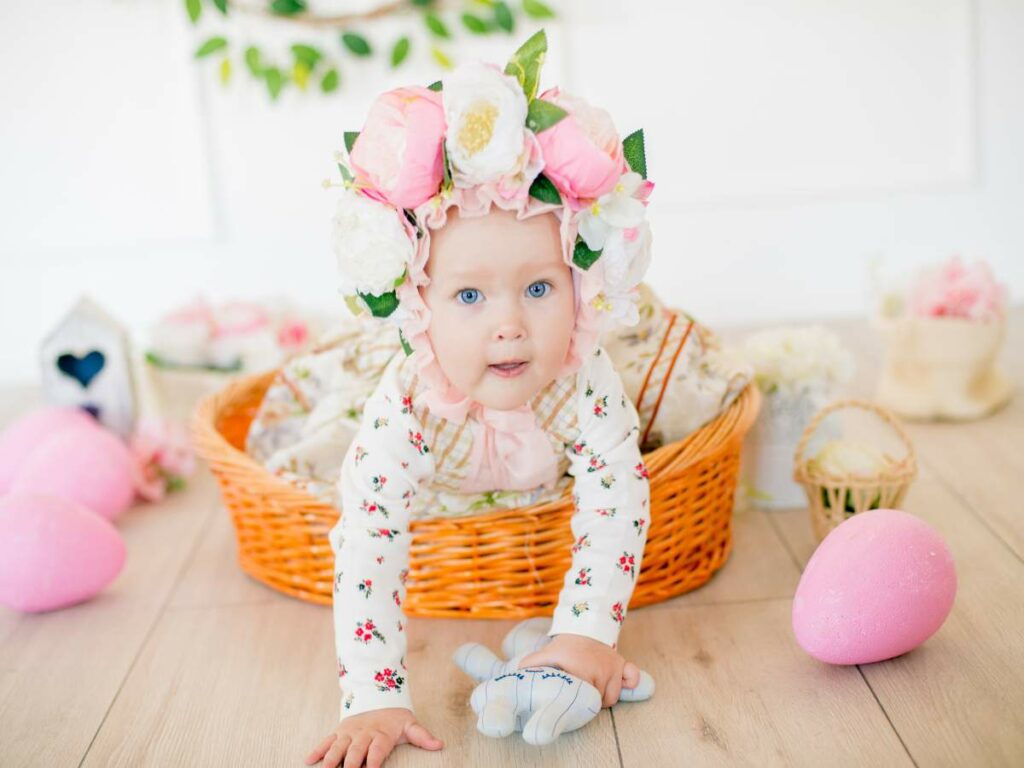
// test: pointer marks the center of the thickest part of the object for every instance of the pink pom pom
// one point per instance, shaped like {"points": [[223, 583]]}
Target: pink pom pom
{"points": [[86, 464], [878, 586], [21, 438], [54, 553]]}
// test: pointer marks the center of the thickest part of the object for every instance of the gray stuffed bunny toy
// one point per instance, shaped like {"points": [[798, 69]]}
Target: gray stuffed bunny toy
{"points": [[542, 702]]}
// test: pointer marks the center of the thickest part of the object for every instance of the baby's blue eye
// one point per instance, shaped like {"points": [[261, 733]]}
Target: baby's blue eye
{"points": [[538, 289], [469, 296]]}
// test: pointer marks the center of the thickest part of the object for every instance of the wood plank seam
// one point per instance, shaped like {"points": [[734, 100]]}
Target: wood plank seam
{"points": [[940, 478], [152, 627]]}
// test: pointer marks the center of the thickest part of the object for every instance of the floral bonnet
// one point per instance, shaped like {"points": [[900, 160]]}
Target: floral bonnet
{"points": [[484, 137]]}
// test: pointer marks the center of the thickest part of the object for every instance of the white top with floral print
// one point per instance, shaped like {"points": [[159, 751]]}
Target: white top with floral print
{"points": [[386, 463]]}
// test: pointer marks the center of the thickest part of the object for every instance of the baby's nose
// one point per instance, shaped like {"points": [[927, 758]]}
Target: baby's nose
{"points": [[510, 332]]}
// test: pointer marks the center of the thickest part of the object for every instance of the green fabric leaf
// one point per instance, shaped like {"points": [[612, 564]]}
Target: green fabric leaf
{"points": [[544, 190], [537, 10], [356, 43], [503, 17], [441, 57], [436, 26], [541, 115], [212, 45], [307, 54], [447, 182], [525, 63], [421, 3], [275, 81], [329, 83], [346, 174], [381, 306], [194, 8], [474, 24], [253, 60], [582, 256], [400, 51], [222, 6], [633, 150], [405, 344], [350, 139], [437, 85], [288, 7]]}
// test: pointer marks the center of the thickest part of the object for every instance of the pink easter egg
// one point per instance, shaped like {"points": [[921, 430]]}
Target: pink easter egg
{"points": [[21, 438], [879, 585], [89, 465], [54, 552]]}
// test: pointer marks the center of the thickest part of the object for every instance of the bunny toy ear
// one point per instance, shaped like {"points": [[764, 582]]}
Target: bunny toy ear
{"points": [[526, 637], [478, 661], [643, 691]]}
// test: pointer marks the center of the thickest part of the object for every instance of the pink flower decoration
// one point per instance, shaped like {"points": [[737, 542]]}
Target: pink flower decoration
{"points": [[582, 152], [239, 318], [398, 152], [163, 457], [954, 290], [292, 334]]}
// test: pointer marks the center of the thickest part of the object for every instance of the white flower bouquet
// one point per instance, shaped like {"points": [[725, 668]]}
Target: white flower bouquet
{"points": [[797, 368]]}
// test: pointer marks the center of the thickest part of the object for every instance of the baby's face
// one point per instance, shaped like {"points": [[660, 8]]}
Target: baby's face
{"points": [[501, 303]]}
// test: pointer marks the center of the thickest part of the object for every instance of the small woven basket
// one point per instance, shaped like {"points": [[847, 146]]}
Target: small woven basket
{"points": [[834, 498], [504, 564]]}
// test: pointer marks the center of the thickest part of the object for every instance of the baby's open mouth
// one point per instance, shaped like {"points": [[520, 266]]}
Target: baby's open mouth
{"points": [[509, 368]]}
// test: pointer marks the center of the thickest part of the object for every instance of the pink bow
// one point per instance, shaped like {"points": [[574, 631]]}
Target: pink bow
{"points": [[510, 452]]}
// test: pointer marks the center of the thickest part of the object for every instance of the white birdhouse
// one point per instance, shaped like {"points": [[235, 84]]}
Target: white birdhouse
{"points": [[87, 363]]}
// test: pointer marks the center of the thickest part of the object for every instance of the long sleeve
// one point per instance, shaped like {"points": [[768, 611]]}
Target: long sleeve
{"points": [[380, 474], [612, 498]]}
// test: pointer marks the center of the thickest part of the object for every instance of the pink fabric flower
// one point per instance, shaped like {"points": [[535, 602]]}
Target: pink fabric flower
{"points": [[292, 334], [398, 151], [163, 457], [582, 152], [954, 290]]}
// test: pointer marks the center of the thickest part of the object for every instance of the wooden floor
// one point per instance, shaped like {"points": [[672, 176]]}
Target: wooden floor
{"points": [[184, 661]]}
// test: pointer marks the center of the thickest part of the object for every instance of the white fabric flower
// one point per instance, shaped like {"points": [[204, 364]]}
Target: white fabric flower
{"points": [[619, 304], [619, 209], [371, 244], [486, 114], [626, 256], [791, 359]]}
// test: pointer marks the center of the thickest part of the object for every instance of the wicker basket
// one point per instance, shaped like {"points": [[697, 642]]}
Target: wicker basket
{"points": [[504, 564], [829, 495]]}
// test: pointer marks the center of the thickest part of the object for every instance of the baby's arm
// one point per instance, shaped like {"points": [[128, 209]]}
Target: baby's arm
{"points": [[380, 474], [612, 497]]}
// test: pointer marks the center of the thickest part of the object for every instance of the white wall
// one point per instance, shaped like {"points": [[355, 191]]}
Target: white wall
{"points": [[791, 142]]}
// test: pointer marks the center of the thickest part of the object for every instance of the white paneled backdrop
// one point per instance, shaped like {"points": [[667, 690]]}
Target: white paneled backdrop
{"points": [[793, 144]]}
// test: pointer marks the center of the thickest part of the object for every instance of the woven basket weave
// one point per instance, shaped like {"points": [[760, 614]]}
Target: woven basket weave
{"points": [[505, 564]]}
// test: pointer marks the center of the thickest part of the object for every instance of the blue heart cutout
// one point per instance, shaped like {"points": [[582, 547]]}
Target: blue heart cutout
{"points": [[82, 369]]}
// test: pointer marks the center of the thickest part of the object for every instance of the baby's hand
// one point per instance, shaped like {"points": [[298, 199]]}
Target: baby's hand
{"points": [[372, 736], [590, 660]]}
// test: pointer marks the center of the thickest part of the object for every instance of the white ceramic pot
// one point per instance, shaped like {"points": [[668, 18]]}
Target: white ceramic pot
{"points": [[770, 445], [942, 368]]}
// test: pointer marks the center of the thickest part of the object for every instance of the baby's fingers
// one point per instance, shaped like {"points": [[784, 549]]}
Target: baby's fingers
{"points": [[420, 737], [337, 751], [380, 748], [630, 675], [357, 751], [321, 750]]}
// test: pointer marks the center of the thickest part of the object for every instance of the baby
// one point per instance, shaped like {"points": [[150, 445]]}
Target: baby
{"points": [[500, 288]]}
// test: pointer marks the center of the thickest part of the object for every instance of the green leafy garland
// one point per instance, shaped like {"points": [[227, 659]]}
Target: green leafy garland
{"points": [[316, 66]]}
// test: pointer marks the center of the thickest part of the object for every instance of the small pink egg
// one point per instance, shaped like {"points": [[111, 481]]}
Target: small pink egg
{"points": [[21, 438], [54, 552], [86, 464], [879, 585]]}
